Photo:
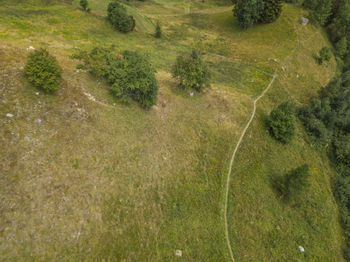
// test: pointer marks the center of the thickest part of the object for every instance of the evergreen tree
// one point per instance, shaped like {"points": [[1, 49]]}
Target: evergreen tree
{"points": [[248, 12], [272, 10], [320, 10], [119, 18], [342, 47]]}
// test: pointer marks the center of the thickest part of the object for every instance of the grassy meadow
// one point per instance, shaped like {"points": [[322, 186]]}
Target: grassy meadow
{"points": [[86, 178]]}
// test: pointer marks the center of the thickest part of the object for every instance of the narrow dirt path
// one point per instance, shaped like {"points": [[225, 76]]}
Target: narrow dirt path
{"points": [[231, 164]]}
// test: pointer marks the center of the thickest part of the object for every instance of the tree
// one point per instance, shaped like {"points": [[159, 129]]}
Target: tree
{"points": [[85, 5], [158, 33], [320, 10], [281, 123], [325, 55], [293, 182], [271, 11], [191, 71], [43, 71], [119, 18], [342, 47], [248, 12]]}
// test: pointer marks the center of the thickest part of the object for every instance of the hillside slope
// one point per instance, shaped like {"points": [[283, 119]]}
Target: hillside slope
{"points": [[86, 178]]}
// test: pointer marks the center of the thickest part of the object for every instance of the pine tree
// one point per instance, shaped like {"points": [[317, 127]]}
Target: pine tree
{"points": [[248, 12], [272, 10]]}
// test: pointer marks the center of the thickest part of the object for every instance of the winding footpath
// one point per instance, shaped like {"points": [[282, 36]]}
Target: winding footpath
{"points": [[229, 171]]}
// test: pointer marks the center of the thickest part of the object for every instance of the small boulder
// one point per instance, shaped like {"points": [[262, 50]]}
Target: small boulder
{"points": [[178, 253], [9, 115], [304, 21], [302, 250]]}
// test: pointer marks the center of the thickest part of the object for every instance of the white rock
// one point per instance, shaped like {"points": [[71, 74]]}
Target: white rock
{"points": [[30, 48], [38, 121], [37, 93], [304, 21], [301, 249], [9, 115], [178, 253]]}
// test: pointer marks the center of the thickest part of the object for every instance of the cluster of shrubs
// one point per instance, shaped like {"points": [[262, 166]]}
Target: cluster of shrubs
{"points": [[250, 12], [130, 75], [327, 120]]}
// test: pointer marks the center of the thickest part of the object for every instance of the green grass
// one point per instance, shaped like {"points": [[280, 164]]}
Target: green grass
{"points": [[262, 225], [98, 181]]}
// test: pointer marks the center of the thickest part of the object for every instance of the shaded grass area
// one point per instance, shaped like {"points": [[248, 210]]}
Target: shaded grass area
{"points": [[93, 182]]}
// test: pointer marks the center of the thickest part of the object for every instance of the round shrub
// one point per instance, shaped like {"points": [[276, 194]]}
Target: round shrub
{"points": [[325, 54], [282, 123], [43, 71], [191, 71], [118, 17]]}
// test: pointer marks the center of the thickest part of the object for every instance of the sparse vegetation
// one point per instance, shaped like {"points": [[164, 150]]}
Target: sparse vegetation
{"points": [[42, 70], [191, 71]]}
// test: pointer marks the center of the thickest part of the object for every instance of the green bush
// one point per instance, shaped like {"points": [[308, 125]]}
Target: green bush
{"points": [[191, 71], [130, 75], [85, 5], [281, 123], [43, 71], [158, 33], [118, 17], [292, 183], [325, 55]]}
